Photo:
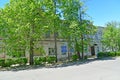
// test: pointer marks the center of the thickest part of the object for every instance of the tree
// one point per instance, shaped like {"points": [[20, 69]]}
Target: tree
{"points": [[53, 18], [111, 36], [24, 21], [117, 37], [27, 22], [77, 26]]}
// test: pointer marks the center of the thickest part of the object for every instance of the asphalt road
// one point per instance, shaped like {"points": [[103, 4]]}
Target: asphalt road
{"points": [[96, 70]]}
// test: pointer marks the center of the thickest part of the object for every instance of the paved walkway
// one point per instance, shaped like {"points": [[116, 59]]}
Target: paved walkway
{"points": [[97, 70]]}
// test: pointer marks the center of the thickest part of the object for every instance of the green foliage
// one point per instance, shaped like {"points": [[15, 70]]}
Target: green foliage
{"points": [[50, 59], [107, 54], [86, 57], [110, 37], [43, 60], [2, 62], [24, 22], [75, 57], [24, 61], [37, 61], [8, 62], [101, 54], [111, 54], [75, 28], [117, 53], [13, 61], [21, 61]]}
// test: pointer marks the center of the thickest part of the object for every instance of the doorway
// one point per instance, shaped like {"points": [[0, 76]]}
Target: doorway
{"points": [[92, 50]]}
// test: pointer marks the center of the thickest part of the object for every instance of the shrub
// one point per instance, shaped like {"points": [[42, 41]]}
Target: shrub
{"points": [[117, 53], [37, 61], [42, 59], [106, 54], [2, 62], [111, 54], [101, 54], [21, 61], [24, 61], [8, 62], [50, 59], [85, 57], [75, 57]]}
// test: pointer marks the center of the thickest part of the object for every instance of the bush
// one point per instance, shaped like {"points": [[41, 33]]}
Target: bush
{"points": [[117, 53], [42, 59], [50, 59], [75, 57], [8, 62], [111, 54], [17, 61], [106, 54], [21, 61], [85, 57], [24, 61], [2, 62], [37, 61], [101, 54]]}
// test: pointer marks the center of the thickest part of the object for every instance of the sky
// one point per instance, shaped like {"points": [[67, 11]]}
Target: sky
{"points": [[3, 2], [100, 11], [103, 11]]}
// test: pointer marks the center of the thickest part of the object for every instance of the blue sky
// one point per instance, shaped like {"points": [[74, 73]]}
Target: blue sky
{"points": [[101, 11], [3, 2]]}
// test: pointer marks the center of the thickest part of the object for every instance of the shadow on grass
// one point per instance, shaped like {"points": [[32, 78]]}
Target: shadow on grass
{"points": [[57, 65]]}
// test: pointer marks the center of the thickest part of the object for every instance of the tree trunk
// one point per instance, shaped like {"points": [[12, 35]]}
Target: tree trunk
{"points": [[55, 39], [78, 53], [68, 56], [55, 33], [31, 51], [31, 45], [82, 46], [77, 49], [80, 19]]}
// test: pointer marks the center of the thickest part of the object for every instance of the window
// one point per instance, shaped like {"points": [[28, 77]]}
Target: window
{"points": [[63, 50], [51, 51]]}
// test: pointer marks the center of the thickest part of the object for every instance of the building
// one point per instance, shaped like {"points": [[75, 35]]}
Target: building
{"points": [[47, 46], [63, 50], [96, 44]]}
